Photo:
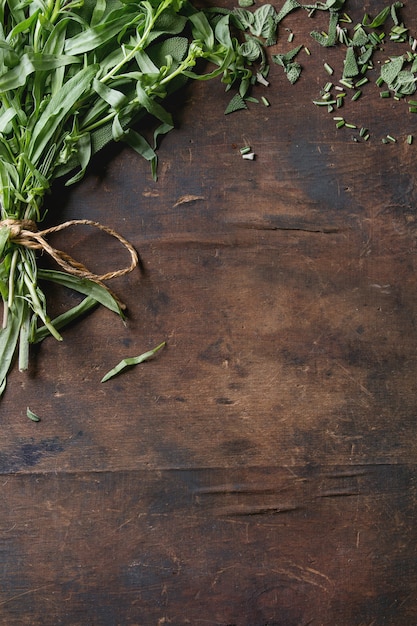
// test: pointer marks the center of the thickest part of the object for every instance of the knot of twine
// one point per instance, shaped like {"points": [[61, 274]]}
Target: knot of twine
{"points": [[25, 233]]}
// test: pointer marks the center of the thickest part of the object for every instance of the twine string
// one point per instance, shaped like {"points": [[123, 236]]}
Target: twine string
{"points": [[25, 233]]}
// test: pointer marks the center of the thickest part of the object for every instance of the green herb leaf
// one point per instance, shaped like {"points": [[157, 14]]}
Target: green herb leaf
{"points": [[82, 285], [130, 361], [76, 75], [32, 416], [351, 68], [381, 18], [237, 103]]}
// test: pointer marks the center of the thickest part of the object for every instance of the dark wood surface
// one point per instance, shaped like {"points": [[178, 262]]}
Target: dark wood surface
{"points": [[261, 470]]}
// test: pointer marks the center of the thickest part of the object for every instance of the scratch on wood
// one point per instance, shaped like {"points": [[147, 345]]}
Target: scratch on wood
{"points": [[303, 229], [303, 575], [219, 573], [364, 389], [24, 593], [243, 488]]}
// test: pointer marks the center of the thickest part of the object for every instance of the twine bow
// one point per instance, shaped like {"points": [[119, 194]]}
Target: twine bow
{"points": [[25, 233]]}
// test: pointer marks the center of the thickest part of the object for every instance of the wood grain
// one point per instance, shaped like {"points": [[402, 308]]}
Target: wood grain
{"points": [[261, 469]]}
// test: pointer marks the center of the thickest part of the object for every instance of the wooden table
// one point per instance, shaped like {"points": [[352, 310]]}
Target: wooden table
{"points": [[261, 469]]}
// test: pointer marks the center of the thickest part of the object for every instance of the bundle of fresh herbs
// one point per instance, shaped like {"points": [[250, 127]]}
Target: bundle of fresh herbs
{"points": [[75, 75]]}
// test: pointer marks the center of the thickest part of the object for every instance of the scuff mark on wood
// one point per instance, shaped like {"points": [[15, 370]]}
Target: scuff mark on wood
{"points": [[264, 510], [186, 199]]}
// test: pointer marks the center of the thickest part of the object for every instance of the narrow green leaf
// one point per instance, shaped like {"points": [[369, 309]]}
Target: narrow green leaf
{"points": [[84, 286], [100, 34], [58, 109], [202, 30], [139, 144], [153, 107], [380, 19], [79, 310], [116, 99], [128, 362], [4, 238], [6, 117], [32, 62], [9, 338]]}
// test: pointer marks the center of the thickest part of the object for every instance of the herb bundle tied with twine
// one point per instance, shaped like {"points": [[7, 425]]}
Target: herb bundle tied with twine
{"points": [[75, 75]]}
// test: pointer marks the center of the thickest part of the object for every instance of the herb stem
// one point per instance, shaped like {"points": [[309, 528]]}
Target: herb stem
{"points": [[5, 313], [139, 46], [12, 272], [38, 307]]}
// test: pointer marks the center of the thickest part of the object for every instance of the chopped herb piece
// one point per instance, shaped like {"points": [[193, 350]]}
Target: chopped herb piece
{"points": [[237, 103], [410, 139], [345, 18], [328, 39], [350, 69], [362, 82], [356, 95], [291, 67], [321, 103], [261, 79], [360, 37], [327, 96], [380, 19], [32, 416], [346, 83]]}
